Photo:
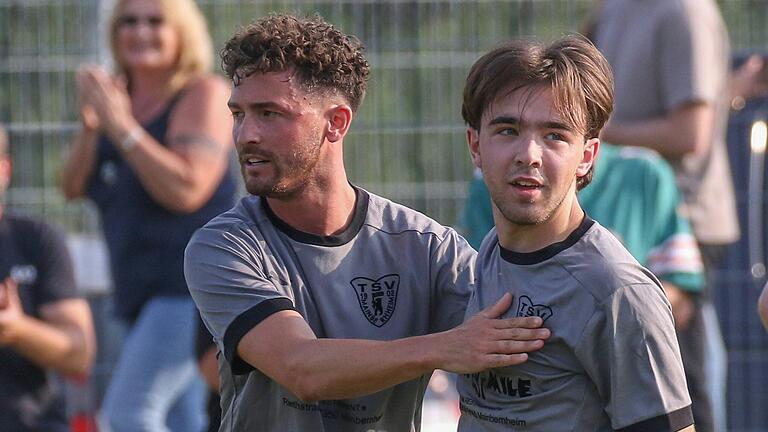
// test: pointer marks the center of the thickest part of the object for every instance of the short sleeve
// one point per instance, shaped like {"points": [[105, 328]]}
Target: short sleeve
{"points": [[690, 56], [630, 351], [453, 269], [56, 276], [674, 255], [231, 287]]}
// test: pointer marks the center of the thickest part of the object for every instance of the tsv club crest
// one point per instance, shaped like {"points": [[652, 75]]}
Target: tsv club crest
{"points": [[527, 309], [378, 297]]}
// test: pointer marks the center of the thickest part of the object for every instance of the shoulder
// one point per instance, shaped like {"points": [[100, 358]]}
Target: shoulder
{"points": [[207, 85], [637, 167], [202, 94], [30, 227], [646, 160], [603, 266], [393, 218]]}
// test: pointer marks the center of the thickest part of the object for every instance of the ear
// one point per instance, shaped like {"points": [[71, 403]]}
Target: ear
{"points": [[588, 157], [473, 142], [339, 118]]}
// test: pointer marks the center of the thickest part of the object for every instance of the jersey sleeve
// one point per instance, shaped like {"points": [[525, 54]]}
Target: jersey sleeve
{"points": [[453, 276], [630, 351], [674, 255], [689, 57], [56, 276], [231, 287]]}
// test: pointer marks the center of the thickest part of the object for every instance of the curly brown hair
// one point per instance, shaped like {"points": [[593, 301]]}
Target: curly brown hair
{"points": [[324, 58]]}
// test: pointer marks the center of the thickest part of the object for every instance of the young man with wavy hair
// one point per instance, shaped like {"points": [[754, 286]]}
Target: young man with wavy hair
{"points": [[535, 113]]}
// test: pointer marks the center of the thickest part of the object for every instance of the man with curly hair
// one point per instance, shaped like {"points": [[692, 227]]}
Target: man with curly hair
{"points": [[331, 306]]}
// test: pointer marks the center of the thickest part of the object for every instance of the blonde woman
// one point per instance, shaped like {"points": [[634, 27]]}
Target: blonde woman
{"points": [[152, 154]]}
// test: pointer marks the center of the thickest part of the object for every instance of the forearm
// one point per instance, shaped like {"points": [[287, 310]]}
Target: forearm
{"points": [[67, 351], [343, 368], [656, 134], [686, 130], [79, 164]]}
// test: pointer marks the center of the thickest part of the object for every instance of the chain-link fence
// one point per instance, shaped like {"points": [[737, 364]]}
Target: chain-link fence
{"points": [[408, 141]]}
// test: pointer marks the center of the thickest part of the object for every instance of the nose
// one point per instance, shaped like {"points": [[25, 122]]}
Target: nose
{"points": [[245, 131], [529, 153]]}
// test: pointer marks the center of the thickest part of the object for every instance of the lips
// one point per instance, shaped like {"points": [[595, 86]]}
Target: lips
{"points": [[253, 160], [527, 182]]}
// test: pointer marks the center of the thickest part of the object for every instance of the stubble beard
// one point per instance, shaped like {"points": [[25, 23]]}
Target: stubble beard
{"points": [[518, 214], [290, 177]]}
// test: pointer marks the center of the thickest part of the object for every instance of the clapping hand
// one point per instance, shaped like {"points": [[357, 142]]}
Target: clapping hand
{"points": [[10, 310]]}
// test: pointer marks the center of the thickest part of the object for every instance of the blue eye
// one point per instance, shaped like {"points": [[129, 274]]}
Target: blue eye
{"points": [[554, 136], [508, 131]]}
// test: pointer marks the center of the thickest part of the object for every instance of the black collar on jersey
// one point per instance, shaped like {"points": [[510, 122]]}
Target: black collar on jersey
{"points": [[535, 257], [361, 210]]}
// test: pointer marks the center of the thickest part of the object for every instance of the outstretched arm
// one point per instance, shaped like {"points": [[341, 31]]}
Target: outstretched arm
{"points": [[285, 348], [686, 130]]}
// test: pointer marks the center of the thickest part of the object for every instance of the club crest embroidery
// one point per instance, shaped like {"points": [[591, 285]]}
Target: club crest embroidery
{"points": [[378, 297], [527, 309]]}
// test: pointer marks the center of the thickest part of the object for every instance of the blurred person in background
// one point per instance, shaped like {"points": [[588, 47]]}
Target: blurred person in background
{"points": [[671, 60], [44, 325], [153, 155]]}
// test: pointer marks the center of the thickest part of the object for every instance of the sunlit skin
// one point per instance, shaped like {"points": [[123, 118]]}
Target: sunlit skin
{"points": [[278, 133], [289, 148], [530, 157], [145, 40]]}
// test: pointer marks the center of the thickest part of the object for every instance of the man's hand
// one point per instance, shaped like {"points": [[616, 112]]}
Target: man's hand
{"points": [[682, 305], [487, 341], [11, 311]]}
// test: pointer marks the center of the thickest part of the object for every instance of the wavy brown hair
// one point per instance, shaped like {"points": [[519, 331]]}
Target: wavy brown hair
{"points": [[323, 58], [579, 76]]}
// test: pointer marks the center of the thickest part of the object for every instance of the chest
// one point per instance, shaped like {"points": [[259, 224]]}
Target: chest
{"points": [[363, 289]]}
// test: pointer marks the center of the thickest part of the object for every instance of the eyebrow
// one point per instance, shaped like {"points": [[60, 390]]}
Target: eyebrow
{"points": [[545, 125], [255, 105]]}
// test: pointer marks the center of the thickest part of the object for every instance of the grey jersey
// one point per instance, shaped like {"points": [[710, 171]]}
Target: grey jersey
{"points": [[393, 273], [612, 361]]}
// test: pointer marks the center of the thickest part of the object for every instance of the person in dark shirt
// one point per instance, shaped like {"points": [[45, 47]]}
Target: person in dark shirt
{"points": [[44, 325]]}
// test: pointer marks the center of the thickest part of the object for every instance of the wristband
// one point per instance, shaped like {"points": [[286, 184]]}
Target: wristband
{"points": [[133, 138]]}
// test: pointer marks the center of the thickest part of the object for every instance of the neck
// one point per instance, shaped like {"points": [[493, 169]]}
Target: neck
{"points": [[150, 83], [533, 237], [321, 208]]}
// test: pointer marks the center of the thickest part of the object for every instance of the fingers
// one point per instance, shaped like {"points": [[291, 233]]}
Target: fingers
{"points": [[498, 308], [502, 360]]}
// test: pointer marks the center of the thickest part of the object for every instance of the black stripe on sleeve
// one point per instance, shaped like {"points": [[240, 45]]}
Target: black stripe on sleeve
{"points": [[674, 421], [243, 324]]}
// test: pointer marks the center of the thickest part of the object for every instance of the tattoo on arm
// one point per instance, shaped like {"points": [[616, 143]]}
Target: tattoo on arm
{"points": [[197, 142]]}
